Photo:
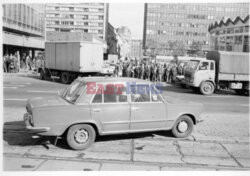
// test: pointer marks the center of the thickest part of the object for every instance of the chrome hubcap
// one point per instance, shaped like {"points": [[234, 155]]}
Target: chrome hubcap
{"points": [[182, 127], [81, 136]]}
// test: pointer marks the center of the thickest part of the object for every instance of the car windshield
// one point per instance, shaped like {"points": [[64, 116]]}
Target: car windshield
{"points": [[72, 93], [193, 64]]}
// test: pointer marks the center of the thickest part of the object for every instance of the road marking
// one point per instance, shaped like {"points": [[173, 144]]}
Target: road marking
{"points": [[10, 87], [14, 99], [41, 91], [18, 85]]}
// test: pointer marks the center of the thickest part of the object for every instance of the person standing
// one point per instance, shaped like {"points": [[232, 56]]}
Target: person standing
{"points": [[28, 62], [5, 58]]}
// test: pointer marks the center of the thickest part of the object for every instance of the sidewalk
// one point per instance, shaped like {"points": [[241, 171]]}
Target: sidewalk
{"points": [[22, 73]]}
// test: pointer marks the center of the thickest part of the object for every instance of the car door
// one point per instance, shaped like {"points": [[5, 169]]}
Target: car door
{"points": [[112, 111], [148, 112]]}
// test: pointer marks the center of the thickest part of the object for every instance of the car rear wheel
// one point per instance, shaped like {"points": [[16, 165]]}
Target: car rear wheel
{"points": [[183, 127], [81, 136]]}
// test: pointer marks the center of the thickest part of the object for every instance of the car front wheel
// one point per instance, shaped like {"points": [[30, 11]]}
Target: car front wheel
{"points": [[81, 136], [183, 127]]}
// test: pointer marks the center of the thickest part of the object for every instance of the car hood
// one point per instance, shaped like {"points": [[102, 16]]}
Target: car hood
{"points": [[46, 101]]}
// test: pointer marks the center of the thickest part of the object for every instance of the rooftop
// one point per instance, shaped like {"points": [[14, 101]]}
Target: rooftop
{"points": [[228, 21]]}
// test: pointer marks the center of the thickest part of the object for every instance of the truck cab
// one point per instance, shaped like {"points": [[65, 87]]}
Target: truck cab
{"points": [[200, 73]]}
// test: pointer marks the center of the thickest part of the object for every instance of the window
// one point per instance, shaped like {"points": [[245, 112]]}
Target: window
{"points": [[204, 66], [156, 98], [140, 94], [212, 66], [118, 95], [72, 93], [246, 44], [238, 30], [238, 40], [97, 98]]}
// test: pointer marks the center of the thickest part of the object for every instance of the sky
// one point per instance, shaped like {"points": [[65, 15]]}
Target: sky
{"points": [[129, 15]]}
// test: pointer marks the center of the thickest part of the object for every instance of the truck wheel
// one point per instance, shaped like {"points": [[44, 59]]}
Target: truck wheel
{"points": [[42, 74], [207, 88], [65, 77], [81, 136], [183, 127]]}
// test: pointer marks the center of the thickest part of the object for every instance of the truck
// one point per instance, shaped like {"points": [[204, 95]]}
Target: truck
{"points": [[220, 70], [68, 57]]}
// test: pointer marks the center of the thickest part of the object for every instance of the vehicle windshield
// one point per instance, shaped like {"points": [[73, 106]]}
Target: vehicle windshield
{"points": [[72, 93], [193, 64]]}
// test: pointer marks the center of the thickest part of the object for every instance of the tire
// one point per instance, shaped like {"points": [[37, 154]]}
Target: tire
{"points": [[183, 127], [65, 78], [81, 136], [207, 88]]}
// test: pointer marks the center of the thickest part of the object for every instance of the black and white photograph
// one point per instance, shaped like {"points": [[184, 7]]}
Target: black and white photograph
{"points": [[125, 86]]}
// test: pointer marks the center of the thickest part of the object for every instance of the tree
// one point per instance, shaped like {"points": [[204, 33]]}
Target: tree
{"points": [[176, 48], [196, 49]]}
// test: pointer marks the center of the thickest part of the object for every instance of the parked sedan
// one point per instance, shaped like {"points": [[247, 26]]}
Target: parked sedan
{"points": [[106, 105]]}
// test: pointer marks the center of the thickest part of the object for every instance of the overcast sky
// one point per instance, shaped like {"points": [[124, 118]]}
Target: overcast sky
{"points": [[127, 14]]}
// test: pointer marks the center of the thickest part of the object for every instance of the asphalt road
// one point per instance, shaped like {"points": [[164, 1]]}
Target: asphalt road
{"points": [[18, 89], [221, 142]]}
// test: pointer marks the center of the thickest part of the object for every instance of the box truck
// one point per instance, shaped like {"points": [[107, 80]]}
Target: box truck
{"points": [[68, 57], [220, 70]]}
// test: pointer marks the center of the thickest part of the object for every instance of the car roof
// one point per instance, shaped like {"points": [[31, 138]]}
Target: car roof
{"points": [[107, 79]]}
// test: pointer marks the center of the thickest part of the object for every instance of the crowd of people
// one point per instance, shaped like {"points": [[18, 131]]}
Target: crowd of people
{"points": [[149, 70], [13, 63]]}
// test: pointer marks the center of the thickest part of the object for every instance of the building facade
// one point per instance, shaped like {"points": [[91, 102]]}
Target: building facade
{"points": [[184, 23], [124, 41], [230, 35], [112, 41], [23, 28], [91, 18], [136, 49]]}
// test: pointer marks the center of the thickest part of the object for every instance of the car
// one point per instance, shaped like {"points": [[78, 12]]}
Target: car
{"points": [[94, 106]]}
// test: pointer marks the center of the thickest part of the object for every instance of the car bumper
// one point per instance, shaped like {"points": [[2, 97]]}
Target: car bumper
{"points": [[32, 129]]}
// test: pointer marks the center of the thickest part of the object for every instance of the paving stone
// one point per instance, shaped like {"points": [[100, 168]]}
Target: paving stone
{"points": [[210, 161], [128, 167], [155, 147], [114, 150], [245, 162], [157, 158], [238, 150], [16, 149], [202, 149], [20, 164], [53, 152], [58, 165], [193, 168]]}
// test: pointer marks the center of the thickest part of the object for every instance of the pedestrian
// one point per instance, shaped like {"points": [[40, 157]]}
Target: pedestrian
{"points": [[28, 62], [5, 58], [168, 72], [18, 61]]}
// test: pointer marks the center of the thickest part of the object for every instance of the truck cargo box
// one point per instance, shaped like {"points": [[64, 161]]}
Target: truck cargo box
{"points": [[230, 62], [74, 56]]}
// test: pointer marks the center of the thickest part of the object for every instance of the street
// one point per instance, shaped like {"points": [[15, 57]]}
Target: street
{"points": [[221, 142]]}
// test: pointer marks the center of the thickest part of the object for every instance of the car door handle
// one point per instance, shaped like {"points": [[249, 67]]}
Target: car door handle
{"points": [[96, 110], [135, 108]]}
